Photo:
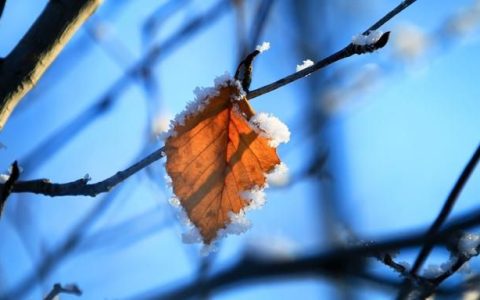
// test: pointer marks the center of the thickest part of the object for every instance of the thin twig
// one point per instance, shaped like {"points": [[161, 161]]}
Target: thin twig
{"points": [[341, 54], [446, 209], [81, 187], [57, 289]]}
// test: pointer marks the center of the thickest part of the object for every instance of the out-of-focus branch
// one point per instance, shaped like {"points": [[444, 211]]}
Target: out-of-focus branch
{"points": [[81, 187], [8, 186], [446, 209], [24, 66], [332, 262], [58, 289], [2, 6], [439, 221], [348, 51]]}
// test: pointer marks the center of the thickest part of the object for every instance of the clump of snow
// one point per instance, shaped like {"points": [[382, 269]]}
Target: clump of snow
{"points": [[371, 38], [469, 244], [433, 271], [256, 196], [160, 124], [238, 224], [263, 47], [271, 128], [4, 178], [241, 93], [279, 176], [305, 64]]}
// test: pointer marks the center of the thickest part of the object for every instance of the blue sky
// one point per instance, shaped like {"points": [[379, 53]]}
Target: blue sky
{"points": [[397, 147]]}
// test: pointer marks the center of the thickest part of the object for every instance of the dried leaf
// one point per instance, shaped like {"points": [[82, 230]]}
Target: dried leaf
{"points": [[215, 155]]}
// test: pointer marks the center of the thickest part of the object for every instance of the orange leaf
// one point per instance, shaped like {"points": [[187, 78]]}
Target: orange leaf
{"points": [[215, 155]]}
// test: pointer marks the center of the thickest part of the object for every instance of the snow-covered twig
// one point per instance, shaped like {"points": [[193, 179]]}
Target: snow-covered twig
{"points": [[348, 51]]}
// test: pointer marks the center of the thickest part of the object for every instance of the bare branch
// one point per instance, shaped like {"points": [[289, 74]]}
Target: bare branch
{"points": [[446, 209], [8, 187], [24, 66], [2, 6], [335, 261], [81, 187], [348, 51], [57, 289]]}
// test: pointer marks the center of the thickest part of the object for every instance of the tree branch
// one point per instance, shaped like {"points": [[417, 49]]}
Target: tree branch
{"points": [[446, 209], [26, 63], [8, 186], [348, 51], [330, 263], [57, 289], [81, 187]]}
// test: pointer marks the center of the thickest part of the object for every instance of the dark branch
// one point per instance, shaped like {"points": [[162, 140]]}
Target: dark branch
{"points": [[341, 260], [446, 209], [81, 187], [348, 51], [57, 289], [8, 186], [27, 62]]}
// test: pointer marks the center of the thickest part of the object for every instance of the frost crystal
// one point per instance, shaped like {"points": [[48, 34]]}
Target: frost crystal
{"points": [[263, 47], [371, 38], [433, 271], [239, 224], [256, 196], [305, 64], [270, 127], [469, 244], [279, 176]]}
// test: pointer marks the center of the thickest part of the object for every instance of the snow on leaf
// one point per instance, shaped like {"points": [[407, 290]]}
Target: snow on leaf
{"points": [[214, 155]]}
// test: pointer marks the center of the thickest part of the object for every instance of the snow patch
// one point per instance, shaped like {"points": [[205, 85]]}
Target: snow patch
{"points": [[305, 64], [256, 196], [263, 47], [279, 176], [4, 178], [271, 128], [469, 244], [371, 38]]}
